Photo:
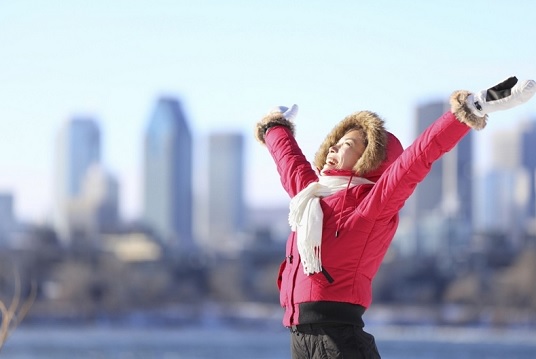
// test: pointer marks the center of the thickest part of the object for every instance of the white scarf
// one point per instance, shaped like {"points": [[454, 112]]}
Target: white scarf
{"points": [[305, 217]]}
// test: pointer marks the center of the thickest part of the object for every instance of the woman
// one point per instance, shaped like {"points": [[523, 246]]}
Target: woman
{"points": [[344, 215]]}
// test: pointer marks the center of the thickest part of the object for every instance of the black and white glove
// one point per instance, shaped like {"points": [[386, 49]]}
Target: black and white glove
{"points": [[503, 96]]}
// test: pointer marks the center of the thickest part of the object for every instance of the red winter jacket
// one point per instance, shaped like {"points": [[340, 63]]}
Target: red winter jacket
{"points": [[368, 223]]}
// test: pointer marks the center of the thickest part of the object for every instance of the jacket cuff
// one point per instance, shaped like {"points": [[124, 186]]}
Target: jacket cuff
{"points": [[269, 121], [458, 106]]}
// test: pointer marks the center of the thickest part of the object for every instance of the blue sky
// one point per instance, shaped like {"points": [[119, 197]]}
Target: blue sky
{"points": [[230, 62]]}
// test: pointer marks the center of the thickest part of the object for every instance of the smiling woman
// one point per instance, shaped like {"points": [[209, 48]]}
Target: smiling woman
{"points": [[345, 214], [344, 154]]}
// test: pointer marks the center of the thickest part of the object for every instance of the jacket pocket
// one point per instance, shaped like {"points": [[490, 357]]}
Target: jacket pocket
{"points": [[280, 275]]}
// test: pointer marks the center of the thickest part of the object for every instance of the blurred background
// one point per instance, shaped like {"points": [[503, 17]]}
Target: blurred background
{"points": [[136, 200]]}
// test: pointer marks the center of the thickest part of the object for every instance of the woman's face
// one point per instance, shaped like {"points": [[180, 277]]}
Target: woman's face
{"points": [[345, 153]]}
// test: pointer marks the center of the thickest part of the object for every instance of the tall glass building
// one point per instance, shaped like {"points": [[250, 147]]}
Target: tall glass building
{"points": [[7, 217], [226, 190], [442, 205], [168, 175], [77, 148], [507, 200], [528, 162]]}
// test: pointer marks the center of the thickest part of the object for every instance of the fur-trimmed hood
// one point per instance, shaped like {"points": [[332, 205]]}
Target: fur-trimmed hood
{"points": [[382, 146]]}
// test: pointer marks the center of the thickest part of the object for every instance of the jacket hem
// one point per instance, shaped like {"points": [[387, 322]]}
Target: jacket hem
{"points": [[331, 312]]}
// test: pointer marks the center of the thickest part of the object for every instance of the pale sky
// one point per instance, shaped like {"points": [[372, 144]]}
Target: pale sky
{"points": [[230, 62]]}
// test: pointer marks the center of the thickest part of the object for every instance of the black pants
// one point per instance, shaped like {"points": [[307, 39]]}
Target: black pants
{"points": [[327, 341]]}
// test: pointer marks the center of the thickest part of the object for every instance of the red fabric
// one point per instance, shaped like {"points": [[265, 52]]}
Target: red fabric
{"points": [[369, 215]]}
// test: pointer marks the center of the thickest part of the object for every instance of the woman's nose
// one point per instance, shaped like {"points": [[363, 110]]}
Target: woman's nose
{"points": [[333, 149]]}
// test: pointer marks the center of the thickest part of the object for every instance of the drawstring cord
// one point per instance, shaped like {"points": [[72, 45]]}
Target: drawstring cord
{"points": [[342, 206]]}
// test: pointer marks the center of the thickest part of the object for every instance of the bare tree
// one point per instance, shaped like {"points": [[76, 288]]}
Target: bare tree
{"points": [[13, 314]]}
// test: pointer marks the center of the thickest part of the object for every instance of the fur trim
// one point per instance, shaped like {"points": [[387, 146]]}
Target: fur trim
{"points": [[271, 120], [458, 106], [375, 152]]}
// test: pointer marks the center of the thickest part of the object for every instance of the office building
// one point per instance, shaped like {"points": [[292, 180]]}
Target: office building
{"points": [[77, 149], [226, 213], [507, 198], [7, 217], [441, 207], [528, 162], [168, 175]]}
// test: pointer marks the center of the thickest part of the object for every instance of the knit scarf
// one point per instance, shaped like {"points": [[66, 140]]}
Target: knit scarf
{"points": [[305, 217]]}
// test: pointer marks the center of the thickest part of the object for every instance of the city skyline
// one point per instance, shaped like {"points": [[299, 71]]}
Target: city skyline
{"points": [[230, 64], [200, 162], [452, 202]]}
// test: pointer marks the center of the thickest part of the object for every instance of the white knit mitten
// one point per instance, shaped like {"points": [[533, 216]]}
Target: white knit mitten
{"points": [[289, 113], [503, 96]]}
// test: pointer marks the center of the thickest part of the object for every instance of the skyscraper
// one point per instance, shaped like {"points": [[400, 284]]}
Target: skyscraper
{"points": [[428, 193], [501, 207], [226, 190], [7, 217], [168, 175], [100, 192], [508, 199], [77, 148], [442, 205], [528, 161]]}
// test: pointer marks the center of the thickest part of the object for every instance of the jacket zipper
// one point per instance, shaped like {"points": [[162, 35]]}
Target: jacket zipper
{"points": [[293, 274], [342, 206]]}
